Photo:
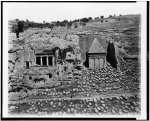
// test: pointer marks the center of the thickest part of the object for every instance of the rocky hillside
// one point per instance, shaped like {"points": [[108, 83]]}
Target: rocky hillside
{"points": [[124, 31]]}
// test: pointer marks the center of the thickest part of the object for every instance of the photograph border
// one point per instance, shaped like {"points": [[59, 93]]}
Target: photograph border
{"points": [[73, 118]]}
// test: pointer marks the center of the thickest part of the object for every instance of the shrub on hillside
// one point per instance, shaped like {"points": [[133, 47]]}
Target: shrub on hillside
{"points": [[102, 17]]}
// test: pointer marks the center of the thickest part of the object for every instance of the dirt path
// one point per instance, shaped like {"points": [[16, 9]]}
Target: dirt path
{"points": [[75, 98]]}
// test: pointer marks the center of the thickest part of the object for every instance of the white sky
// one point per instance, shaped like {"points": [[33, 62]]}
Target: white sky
{"points": [[48, 12]]}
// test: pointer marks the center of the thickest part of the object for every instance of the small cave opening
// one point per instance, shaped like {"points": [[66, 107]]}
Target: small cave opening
{"points": [[27, 64], [50, 75], [30, 77]]}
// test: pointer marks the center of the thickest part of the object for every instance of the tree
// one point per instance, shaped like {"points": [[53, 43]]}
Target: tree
{"points": [[62, 24], [69, 24], [96, 17], [41, 26], [75, 25], [90, 18], [18, 27], [27, 20], [57, 23], [51, 26], [102, 17], [16, 20], [83, 24], [84, 20], [110, 16], [111, 55], [76, 20], [65, 21]]}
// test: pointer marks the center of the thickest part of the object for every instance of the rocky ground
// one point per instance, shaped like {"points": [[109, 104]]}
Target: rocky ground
{"points": [[97, 106], [106, 91]]}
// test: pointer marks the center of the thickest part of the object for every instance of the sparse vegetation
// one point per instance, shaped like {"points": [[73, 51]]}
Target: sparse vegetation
{"points": [[111, 90], [18, 27]]}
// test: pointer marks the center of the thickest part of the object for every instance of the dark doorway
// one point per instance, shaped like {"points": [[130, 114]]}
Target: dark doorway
{"points": [[44, 61], [38, 60], [86, 62], [27, 64], [30, 78], [50, 75], [50, 60]]}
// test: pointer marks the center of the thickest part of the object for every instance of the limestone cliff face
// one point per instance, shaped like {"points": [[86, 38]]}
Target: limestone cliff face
{"points": [[23, 51]]}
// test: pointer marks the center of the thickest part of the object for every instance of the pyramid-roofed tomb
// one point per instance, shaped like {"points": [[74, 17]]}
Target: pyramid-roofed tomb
{"points": [[96, 47]]}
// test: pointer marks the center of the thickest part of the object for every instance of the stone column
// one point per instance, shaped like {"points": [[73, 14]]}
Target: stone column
{"points": [[47, 60], [94, 62], [35, 61], [103, 62], [99, 62], [41, 61]]}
